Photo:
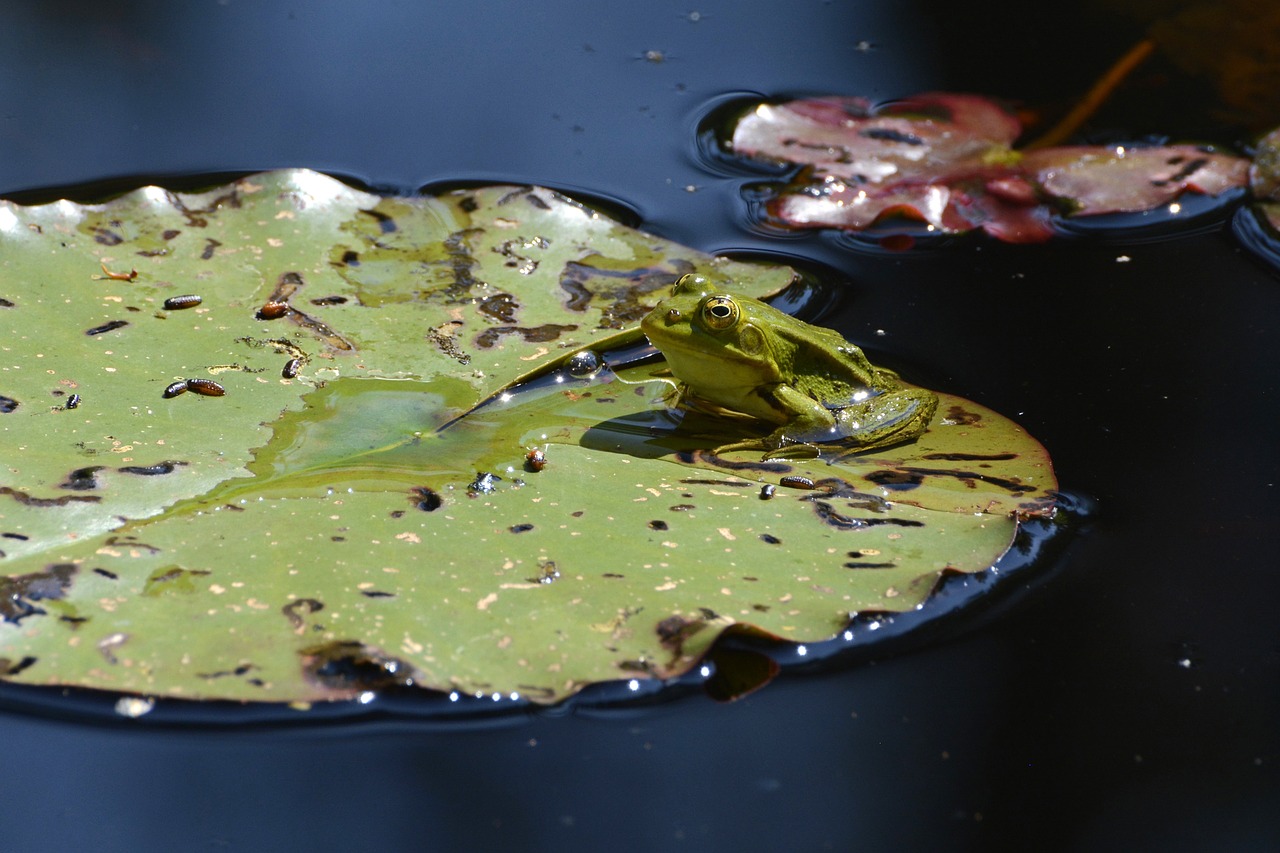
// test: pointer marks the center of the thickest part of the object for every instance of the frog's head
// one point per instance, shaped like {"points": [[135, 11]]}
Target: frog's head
{"points": [[712, 337]]}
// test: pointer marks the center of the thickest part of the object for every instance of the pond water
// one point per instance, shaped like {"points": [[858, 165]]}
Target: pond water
{"points": [[1125, 695]]}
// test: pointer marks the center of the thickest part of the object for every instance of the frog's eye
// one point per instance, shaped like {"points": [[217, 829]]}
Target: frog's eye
{"points": [[690, 283], [719, 312]]}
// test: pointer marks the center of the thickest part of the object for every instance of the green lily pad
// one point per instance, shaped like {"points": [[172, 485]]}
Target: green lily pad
{"points": [[371, 521]]}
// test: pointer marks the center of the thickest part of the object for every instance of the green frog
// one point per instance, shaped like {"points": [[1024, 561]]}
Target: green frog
{"points": [[735, 353]]}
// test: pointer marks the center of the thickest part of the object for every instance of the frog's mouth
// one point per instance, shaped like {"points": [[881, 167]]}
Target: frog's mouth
{"points": [[704, 351]]}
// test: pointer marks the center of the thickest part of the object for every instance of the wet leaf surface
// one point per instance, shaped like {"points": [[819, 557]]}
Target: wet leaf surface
{"points": [[377, 521], [1264, 180], [947, 160]]}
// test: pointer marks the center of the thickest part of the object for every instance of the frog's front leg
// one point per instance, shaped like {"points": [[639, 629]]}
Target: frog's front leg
{"points": [[804, 421], [889, 418]]}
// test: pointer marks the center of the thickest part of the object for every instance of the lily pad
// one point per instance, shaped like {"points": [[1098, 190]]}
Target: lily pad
{"points": [[947, 160], [371, 522], [1264, 178]]}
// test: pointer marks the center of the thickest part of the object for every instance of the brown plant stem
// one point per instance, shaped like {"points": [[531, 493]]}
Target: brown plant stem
{"points": [[1096, 96]]}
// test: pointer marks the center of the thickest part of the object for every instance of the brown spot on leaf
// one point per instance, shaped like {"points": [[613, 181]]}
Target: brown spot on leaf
{"points": [[618, 294], [151, 470], [444, 337], [105, 236], [321, 330], [11, 667], [130, 541], [706, 457], [500, 306], [970, 457], [172, 579], [675, 630], [18, 592], [961, 416], [26, 499], [915, 475], [462, 262], [899, 480], [425, 499], [82, 479], [352, 667], [386, 224], [242, 669], [531, 334], [197, 217], [295, 610]]}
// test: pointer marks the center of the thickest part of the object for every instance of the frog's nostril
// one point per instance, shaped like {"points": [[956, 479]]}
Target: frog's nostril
{"points": [[673, 316]]}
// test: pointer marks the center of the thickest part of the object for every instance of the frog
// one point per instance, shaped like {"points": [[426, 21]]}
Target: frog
{"points": [[732, 354]]}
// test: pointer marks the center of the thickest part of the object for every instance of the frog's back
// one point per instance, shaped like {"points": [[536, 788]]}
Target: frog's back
{"points": [[829, 368]]}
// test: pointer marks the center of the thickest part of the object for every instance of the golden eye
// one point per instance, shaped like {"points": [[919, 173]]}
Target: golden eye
{"points": [[719, 312]]}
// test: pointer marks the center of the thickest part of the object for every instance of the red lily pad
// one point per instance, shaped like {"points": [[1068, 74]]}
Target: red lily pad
{"points": [[945, 160], [1122, 179], [914, 139]]}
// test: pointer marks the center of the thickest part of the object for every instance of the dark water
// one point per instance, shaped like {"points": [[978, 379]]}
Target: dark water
{"points": [[1125, 698]]}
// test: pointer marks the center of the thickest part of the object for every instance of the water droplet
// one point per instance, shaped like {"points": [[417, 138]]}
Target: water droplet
{"points": [[583, 364]]}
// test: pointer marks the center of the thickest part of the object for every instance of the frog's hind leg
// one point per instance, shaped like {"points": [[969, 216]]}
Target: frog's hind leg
{"points": [[887, 419]]}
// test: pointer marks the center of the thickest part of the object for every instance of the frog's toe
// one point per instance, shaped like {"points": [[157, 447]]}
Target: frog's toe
{"points": [[745, 444], [792, 451]]}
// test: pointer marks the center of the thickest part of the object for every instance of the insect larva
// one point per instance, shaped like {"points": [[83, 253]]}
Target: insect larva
{"points": [[107, 327], [175, 389], [291, 368], [797, 482], [73, 401], [207, 387], [273, 310], [177, 303]]}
